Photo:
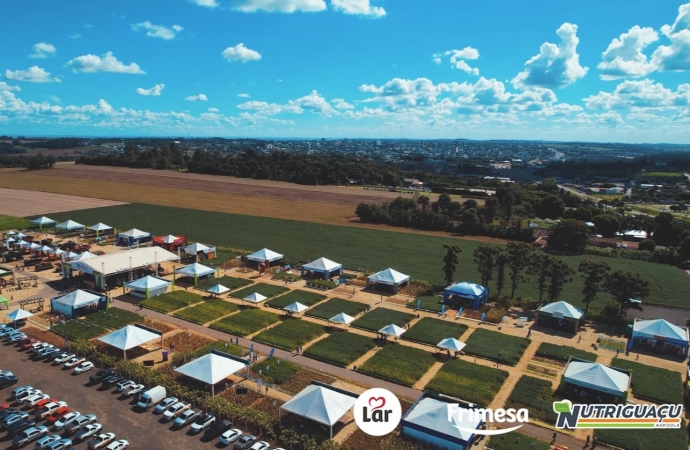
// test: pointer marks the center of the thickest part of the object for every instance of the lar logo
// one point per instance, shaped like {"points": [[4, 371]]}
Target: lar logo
{"points": [[377, 412]]}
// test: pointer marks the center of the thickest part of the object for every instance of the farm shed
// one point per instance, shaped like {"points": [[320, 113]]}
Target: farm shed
{"points": [[323, 266], [595, 383], [78, 303], [148, 287], [265, 255], [660, 336], [133, 237], [213, 368], [130, 337], [388, 279], [559, 315], [466, 294]]}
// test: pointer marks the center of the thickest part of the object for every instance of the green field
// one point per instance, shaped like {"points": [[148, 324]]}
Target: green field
{"points": [[80, 329], [335, 306], [291, 333], [275, 371], [645, 439], [420, 256], [267, 290], [114, 317], [430, 303], [496, 346], [517, 441], [229, 282], [432, 331], [563, 353], [340, 349], [16, 223], [652, 383], [180, 358], [172, 301], [209, 310], [245, 322], [304, 297], [399, 364], [467, 381], [378, 318], [537, 396]]}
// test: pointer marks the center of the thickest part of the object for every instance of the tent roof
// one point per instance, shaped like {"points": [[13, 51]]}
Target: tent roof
{"points": [[322, 264], [120, 261], [69, 225], [3, 272], [10, 239], [33, 245], [217, 289], [597, 376], [341, 318], [18, 314], [4, 300], [660, 327], [211, 368], [46, 248], [148, 282], [320, 404], [86, 255], [196, 269], [389, 276], [77, 299], [466, 289], [392, 330], [255, 298], [11, 233], [57, 251], [451, 344], [196, 248], [265, 255], [169, 239], [433, 415], [296, 307], [42, 220], [21, 235], [128, 337], [134, 233], [100, 226], [562, 308]]}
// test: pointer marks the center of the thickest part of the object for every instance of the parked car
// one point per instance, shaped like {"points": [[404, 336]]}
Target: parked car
{"points": [[18, 427], [80, 422], [151, 397], [63, 358], [49, 408], [25, 343], [163, 405], [261, 445], [44, 350], [101, 440], [57, 414], [74, 361], [40, 404], [13, 418], [88, 431], [64, 420], [51, 355], [7, 412], [29, 435], [19, 398], [175, 410], [8, 381], [36, 346], [244, 442], [31, 400], [19, 390], [202, 422], [118, 445], [133, 389], [101, 375], [16, 337], [123, 384], [111, 381], [186, 417], [230, 436], [83, 367], [42, 444], [62, 444], [217, 429]]}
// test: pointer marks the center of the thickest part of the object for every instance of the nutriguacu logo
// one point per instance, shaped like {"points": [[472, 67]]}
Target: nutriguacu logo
{"points": [[377, 412], [617, 416]]}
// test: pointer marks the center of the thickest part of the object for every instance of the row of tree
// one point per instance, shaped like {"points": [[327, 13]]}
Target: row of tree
{"points": [[37, 162]]}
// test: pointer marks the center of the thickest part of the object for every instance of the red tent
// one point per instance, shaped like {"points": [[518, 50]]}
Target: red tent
{"points": [[170, 242]]}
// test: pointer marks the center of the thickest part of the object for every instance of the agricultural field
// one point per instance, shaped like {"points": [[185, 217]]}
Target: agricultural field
{"points": [[246, 322], [274, 370], [537, 396], [172, 301], [563, 353], [267, 290], [432, 331], [210, 309], [80, 329], [496, 346], [193, 350], [429, 303], [291, 333], [399, 364], [653, 383], [645, 439], [186, 342], [378, 318], [114, 317], [340, 348], [335, 306], [467, 381], [229, 282], [304, 297], [517, 441], [16, 223]]}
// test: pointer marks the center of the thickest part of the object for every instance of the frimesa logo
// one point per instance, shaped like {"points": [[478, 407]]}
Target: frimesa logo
{"points": [[377, 412], [459, 416], [617, 416]]}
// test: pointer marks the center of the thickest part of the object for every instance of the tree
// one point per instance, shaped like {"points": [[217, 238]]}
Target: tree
{"points": [[491, 208], [517, 254], [501, 260], [569, 236], [560, 273], [684, 249], [538, 265], [624, 286], [468, 204], [443, 203], [424, 201], [450, 261], [594, 274], [647, 245], [485, 257], [607, 224], [551, 207], [667, 231]]}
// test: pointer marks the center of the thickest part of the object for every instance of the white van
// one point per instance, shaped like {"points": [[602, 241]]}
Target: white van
{"points": [[151, 397]]}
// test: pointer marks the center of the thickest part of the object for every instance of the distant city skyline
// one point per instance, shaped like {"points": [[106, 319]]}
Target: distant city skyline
{"points": [[612, 71]]}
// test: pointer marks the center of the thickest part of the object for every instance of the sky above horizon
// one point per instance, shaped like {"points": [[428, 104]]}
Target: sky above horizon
{"points": [[591, 71]]}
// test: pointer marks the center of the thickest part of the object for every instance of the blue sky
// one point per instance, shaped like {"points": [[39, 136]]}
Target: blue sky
{"points": [[609, 71]]}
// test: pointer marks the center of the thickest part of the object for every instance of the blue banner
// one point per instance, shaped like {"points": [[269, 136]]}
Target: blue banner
{"points": [[270, 355]]}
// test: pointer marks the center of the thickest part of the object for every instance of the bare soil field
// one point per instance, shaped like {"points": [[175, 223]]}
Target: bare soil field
{"points": [[22, 203], [57, 152]]}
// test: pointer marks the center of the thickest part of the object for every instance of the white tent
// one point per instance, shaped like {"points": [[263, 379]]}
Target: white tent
{"points": [[33, 245], [86, 255], [169, 239], [45, 248], [217, 289], [18, 314], [100, 227], [392, 330], [660, 327], [196, 248], [429, 418], [10, 240], [296, 307], [11, 233], [133, 236], [129, 337], [265, 255], [323, 266], [57, 251], [562, 309], [321, 404], [69, 225], [341, 318], [451, 344], [596, 376], [196, 270], [389, 277], [148, 286], [212, 368], [255, 298], [43, 221], [68, 303], [70, 255], [21, 235]]}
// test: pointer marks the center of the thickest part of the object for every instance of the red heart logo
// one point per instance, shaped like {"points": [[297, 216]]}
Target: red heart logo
{"points": [[378, 402]]}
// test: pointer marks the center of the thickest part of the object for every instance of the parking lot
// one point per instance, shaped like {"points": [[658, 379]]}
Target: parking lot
{"points": [[142, 429]]}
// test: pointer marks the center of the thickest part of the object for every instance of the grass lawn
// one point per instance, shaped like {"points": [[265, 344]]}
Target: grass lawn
{"points": [[564, 353], [267, 290], [80, 329], [335, 306], [17, 223], [340, 349], [359, 248], [229, 282], [432, 331], [517, 441], [172, 301], [207, 311], [653, 383], [115, 317], [430, 303], [645, 439], [291, 333], [378, 318], [496, 346], [304, 297], [467, 381], [245, 322], [537, 396], [275, 370], [399, 364]]}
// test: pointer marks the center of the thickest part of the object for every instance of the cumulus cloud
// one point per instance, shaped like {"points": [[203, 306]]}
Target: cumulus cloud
{"points": [[154, 91], [285, 6], [640, 94], [555, 66], [108, 63], [194, 98], [458, 59], [33, 74], [675, 57], [158, 31], [243, 95], [624, 56], [358, 7], [340, 103], [314, 102], [75, 36], [43, 50], [6, 87], [240, 53], [206, 3], [213, 110]]}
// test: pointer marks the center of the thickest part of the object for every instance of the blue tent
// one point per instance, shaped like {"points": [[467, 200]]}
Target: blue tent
{"points": [[468, 291], [659, 331]]}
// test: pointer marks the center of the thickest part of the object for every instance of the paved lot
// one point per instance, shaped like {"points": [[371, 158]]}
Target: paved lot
{"points": [[142, 430]]}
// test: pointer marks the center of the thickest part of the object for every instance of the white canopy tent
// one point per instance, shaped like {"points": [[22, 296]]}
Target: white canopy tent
{"points": [[11, 233], [218, 289], [57, 251], [45, 248], [562, 309], [196, 248], [67, 304], [392, 330], [451, 344], [195, 271], [131, 336], [21, 235], [659, 331], [18, 314], [323, 266], [213, 368], [388, 277], [265, 255], [320, 403], [169, 239], [255, 298], [69, 225], [86, 255], [148, 287], [100, 228], [342, 319], [133, 236], [428, 421], [597, 377], [43, 221], [296, 308]]}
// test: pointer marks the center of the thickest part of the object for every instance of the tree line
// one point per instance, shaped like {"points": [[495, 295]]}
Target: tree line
{"points": [[37, 162]]}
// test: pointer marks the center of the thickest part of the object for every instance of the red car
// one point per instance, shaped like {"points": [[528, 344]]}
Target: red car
{"points": [[44, 402], [26, 343], [4, 406], [58, 414]]}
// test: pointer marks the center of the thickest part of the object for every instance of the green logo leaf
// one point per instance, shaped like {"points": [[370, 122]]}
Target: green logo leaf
{"points": [[562, 407]]}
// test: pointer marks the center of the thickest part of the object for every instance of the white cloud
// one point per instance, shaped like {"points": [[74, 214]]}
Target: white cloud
{"points": [[194, 98], [269, 109], [624, 56], [154, 91], [358, 7], [6, 87], [33, 74], [340, 103], [314, 102], [206, 3], [159, 31], [555, 66], [675, 57], [43, 50], [240, 53], [458, 59], [285, 6], [108, 63], [75, 36], [213, 110], [640, 94], [243, 95]]}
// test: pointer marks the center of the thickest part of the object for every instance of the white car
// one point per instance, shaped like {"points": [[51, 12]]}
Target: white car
{"points": [[75, 361], [49, 408], [33, 399], [186, 417], [101, 440], [60, 424], [88, 431], [6, 374], [83, 367], [163, 405], [118, 445], [63, 358], [45, 350], [175, 410], [122, 385], [261, 445], [133, 389], [26, 394], [36, 346], [20, 390], [230, 436]]}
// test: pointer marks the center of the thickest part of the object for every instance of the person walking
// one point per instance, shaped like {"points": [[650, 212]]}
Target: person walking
{"points": [[553, 439], [587, 441]]}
